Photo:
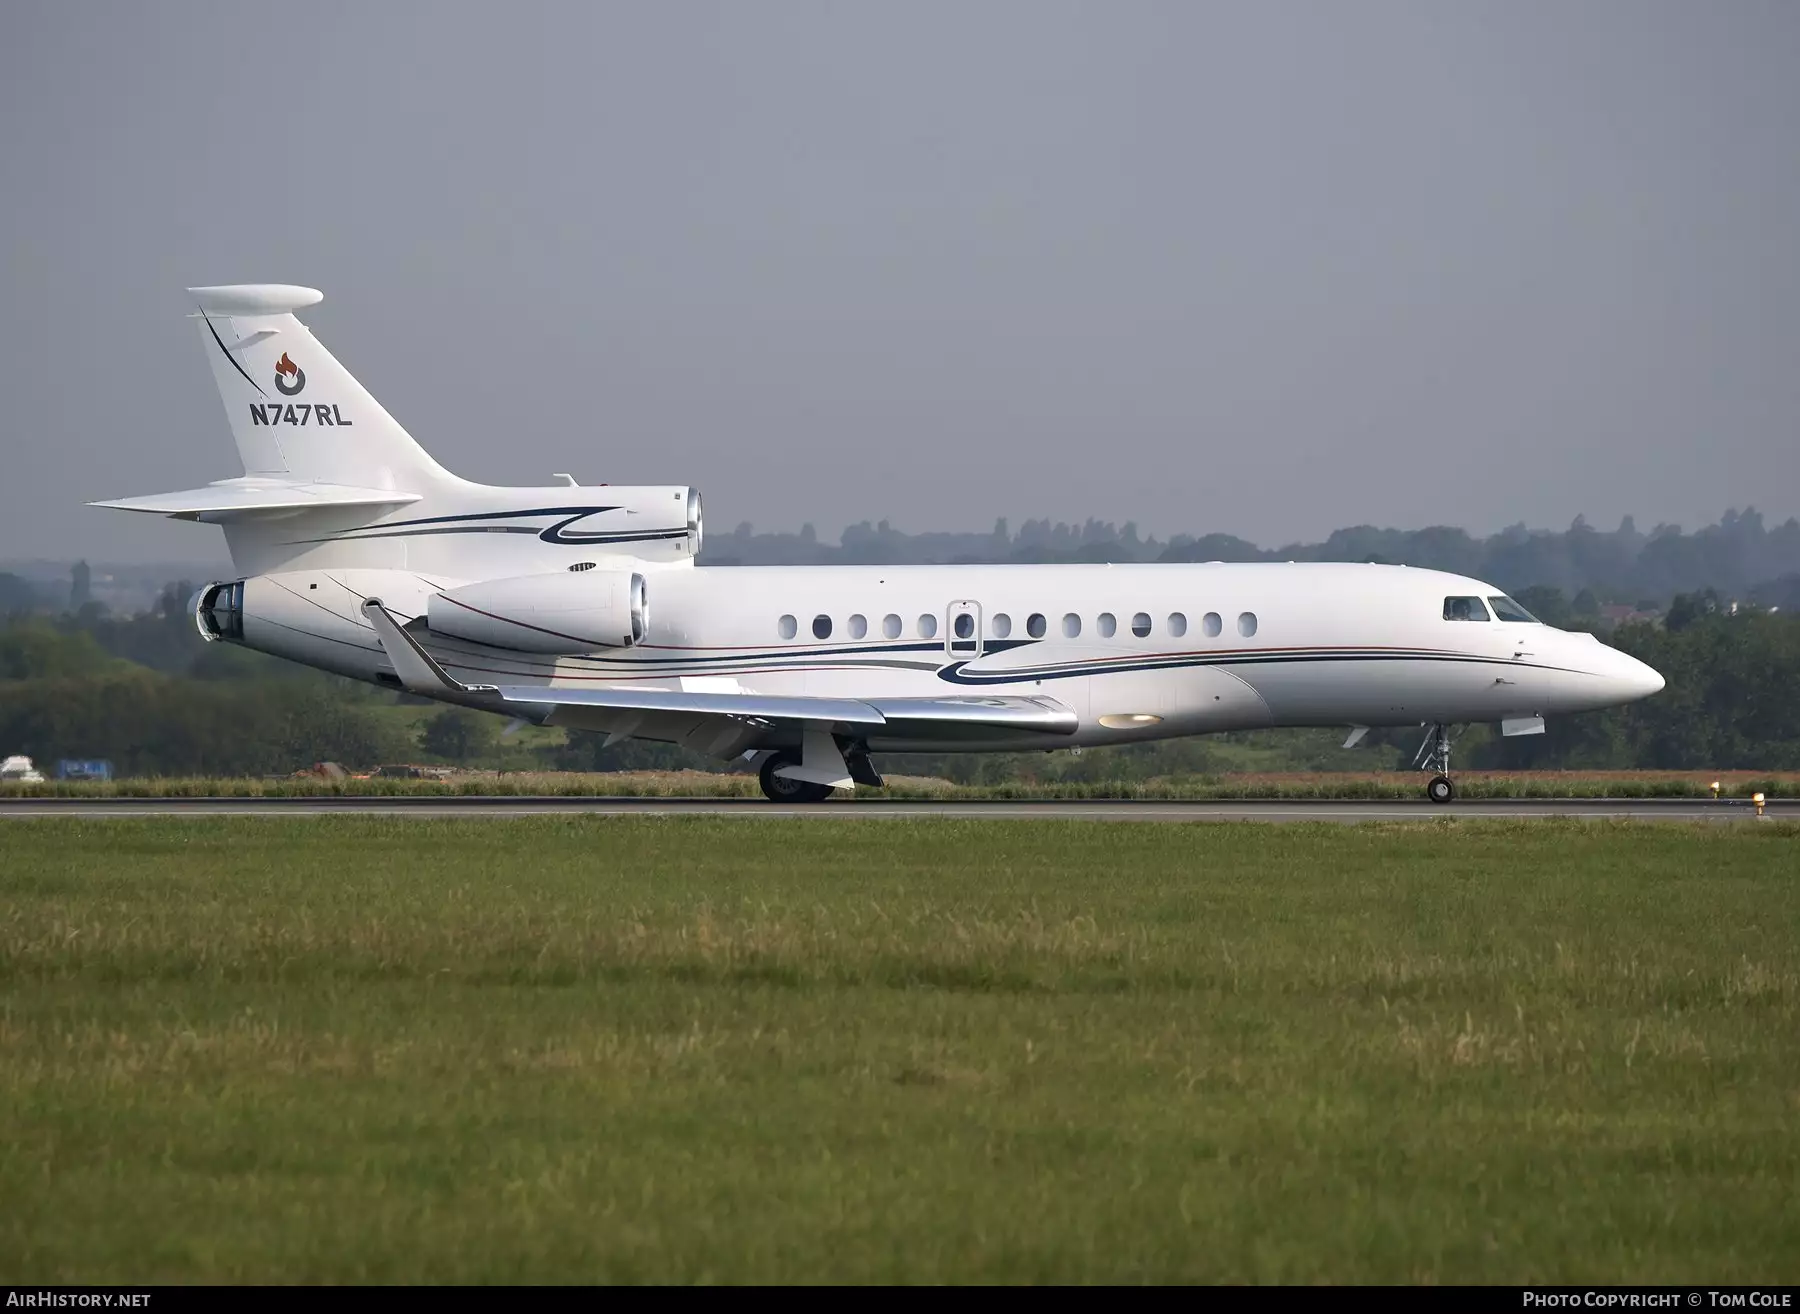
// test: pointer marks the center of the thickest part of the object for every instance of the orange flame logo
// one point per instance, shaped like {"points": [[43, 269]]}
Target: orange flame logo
{"points": [[289, 377]]}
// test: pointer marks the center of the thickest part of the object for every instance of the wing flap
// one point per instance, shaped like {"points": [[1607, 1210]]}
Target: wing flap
{"points": [[1041, 714], [1030, 713], [761, 707]]}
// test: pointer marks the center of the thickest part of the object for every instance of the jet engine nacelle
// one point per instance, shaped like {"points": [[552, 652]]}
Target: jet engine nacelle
{"points": [[564, 613], [658, 523]]}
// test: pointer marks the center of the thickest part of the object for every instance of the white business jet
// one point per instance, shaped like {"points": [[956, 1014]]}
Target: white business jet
{"points": [[583, 607]]}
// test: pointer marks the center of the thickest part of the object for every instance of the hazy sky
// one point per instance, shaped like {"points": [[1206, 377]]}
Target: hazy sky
{"points": [[1262, 268]]}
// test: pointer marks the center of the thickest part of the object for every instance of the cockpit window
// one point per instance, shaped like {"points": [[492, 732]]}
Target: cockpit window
{"points": [[1464, 609], [1508, 610]]}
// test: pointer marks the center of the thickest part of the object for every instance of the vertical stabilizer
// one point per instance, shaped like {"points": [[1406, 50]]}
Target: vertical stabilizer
{"points": [[296, 413]]}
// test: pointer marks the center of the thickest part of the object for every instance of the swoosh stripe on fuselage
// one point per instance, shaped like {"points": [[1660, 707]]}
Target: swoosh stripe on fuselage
{"points": [[775, 658], [781, 661], [567, 540], [474, 522], [497, 515]]}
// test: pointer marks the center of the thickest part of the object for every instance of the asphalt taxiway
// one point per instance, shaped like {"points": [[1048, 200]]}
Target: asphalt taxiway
{"points": [[1274, 810]]}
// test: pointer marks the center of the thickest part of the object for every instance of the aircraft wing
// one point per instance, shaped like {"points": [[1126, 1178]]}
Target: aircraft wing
{"points": [[232, 499], [900, 713], [722, 723]]}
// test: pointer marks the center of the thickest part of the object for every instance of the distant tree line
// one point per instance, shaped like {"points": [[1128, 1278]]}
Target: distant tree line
{"points": [[1739, 557], [145, 692], [1731, 701], [229, 713]]}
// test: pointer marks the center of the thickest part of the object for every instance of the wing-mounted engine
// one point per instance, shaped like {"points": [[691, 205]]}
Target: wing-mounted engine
{"points": [[564, 613]]}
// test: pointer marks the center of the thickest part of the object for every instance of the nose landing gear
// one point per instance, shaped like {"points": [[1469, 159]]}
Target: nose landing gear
{"points": [[1434, 756]]}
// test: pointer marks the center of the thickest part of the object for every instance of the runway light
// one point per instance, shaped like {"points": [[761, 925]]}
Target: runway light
{"points": [[1758, 800], [1715, 788]]}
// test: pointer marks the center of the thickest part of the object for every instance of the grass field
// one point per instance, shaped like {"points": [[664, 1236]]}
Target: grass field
{"points": [[705, 784], [662, 1049]]}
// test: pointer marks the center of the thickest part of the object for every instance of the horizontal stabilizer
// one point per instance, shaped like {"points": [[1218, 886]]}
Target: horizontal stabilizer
{"points": [[236, 499]]}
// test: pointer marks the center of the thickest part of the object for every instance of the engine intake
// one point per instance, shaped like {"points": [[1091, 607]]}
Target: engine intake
{"points": [[218, 611], [563, 613]]}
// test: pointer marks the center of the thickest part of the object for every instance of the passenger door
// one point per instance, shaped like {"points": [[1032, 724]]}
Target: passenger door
{"points": [[962, 630]]}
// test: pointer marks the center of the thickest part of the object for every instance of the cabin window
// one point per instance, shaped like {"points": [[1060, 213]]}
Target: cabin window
{"points": [[859, 627], [788, 627], [928, 626], [1071, 626], [1140, 625], [964, 625], [1507, 610], [1247, 624], [1106, 625], [1002, 624], [1034, 625], [1212, 624], [890, 626], [1465, 609], [821, 627], [1177, 625]]}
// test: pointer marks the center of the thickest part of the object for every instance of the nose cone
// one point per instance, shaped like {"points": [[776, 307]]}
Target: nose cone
{"points": [[1636, 680], [1606, 677]]}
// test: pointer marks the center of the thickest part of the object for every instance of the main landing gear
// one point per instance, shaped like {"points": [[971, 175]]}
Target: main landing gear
{"points": [[1434, 756], [845, 764], [785, 789]]}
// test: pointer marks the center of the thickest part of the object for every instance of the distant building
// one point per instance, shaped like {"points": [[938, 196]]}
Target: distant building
{"points": [[1622, 614]]}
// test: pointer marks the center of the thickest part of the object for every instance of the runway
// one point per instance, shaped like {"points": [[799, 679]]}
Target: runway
{"points": [[1286, 810]]}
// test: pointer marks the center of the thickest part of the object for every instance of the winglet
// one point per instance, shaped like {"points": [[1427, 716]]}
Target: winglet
{"points": [[415, 667]]}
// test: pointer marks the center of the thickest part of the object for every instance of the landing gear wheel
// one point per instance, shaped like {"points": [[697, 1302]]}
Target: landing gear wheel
{"points": [[780, 789], [1434, 756]]}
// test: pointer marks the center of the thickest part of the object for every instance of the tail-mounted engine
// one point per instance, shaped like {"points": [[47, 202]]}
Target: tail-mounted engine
{"points": [[572, 611], [694, 527], [661, 524], [218, 611]]}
